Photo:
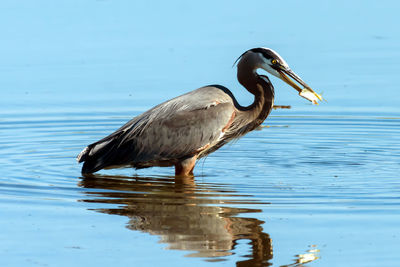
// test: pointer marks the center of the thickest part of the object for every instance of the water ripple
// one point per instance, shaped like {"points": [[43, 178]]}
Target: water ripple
{"points": [[330, 167]]}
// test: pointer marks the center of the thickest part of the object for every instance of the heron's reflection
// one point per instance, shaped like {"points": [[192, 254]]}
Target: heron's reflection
{"points": [[201, 218]]}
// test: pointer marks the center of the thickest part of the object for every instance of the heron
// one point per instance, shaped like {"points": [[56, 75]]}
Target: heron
{"points": [[186, 128]]}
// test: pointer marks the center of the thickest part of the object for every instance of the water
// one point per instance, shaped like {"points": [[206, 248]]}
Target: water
{"points": [[315, 186]]}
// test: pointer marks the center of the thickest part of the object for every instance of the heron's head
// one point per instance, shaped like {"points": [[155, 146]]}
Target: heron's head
{"points": [[270, 61]]}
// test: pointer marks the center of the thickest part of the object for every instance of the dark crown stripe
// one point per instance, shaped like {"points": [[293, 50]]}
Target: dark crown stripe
{"points": [[268, 54]]}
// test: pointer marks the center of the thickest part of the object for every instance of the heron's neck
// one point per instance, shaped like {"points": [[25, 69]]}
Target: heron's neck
{"points": [[263, 92]]}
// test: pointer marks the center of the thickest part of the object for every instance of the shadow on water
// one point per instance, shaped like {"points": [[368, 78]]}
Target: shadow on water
{"points": [[185, 215]]}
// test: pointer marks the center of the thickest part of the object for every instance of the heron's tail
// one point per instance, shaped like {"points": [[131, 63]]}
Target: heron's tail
{"points": [[83, 155], [97, 156]]}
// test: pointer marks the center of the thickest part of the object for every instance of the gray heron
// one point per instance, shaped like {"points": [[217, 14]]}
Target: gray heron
{"points": [[184, 129]]}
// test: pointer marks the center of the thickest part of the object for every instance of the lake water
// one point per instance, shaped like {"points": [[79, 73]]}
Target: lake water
{"points": [[315, 186]]}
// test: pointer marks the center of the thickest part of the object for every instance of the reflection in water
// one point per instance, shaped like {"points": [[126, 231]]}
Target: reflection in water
{"points": [[185, 215], [311, 255]]}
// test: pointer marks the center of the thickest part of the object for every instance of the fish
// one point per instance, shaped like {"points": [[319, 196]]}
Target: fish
{"points": [[310, 95]]}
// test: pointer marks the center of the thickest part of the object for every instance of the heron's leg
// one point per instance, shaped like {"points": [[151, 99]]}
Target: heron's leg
{"points": [[185, 167], [191, 171]]}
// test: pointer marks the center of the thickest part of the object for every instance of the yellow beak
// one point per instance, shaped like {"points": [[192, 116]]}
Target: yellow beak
{"points": [[306, 92]]}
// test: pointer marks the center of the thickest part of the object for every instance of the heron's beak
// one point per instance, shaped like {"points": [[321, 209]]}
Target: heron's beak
{"points": [[306, 92]]}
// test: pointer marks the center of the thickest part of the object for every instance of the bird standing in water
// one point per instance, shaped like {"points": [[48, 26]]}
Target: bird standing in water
{"points": [[180, 131]]}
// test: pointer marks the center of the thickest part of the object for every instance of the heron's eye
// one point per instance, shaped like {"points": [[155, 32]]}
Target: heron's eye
{"points": [[274, 61]]}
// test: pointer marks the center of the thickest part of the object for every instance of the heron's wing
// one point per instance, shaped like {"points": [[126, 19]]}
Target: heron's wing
{"points": [[185, 133], [172, 130]]}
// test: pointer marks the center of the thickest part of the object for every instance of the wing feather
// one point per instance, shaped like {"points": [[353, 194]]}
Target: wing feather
{"points": [[172, 130]]}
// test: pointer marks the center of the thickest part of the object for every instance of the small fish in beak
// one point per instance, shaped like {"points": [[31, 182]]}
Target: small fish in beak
{"points": [[310, 95], [306, 92]]}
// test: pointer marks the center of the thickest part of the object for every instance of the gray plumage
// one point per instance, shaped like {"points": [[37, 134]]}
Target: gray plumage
{"points": [[186, 128]]}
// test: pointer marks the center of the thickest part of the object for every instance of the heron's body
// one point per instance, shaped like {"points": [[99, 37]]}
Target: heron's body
{"points": [[186, 128]]}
